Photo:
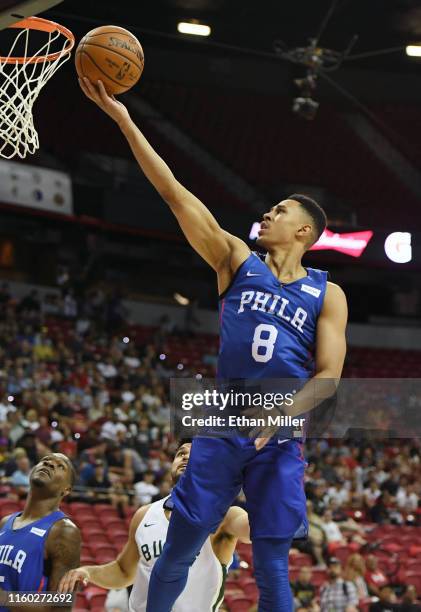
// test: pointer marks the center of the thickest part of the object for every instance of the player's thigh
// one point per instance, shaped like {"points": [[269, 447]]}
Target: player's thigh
{"points": [[274, 488], [212, 480]]}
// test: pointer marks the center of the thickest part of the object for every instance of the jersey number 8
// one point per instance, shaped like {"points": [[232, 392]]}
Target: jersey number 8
{"points": [[262, 347]]}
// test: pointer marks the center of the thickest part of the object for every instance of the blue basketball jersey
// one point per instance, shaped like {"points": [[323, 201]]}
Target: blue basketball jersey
{"points": [[268, 328], [22, 554]]}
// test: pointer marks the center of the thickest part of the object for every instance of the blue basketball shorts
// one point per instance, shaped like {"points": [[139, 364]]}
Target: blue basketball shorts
{"points": [[272, 480]]}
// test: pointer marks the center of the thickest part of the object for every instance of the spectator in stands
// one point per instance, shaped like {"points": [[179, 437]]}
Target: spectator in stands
{"points": [[388, 601], [31, 302], [145, 489], [354, 571], [120, 464], [338, 594], [379, 513], [6, 406], [333, 533], [20, 477], [303, 590], [406, 497], [410, 601], [316, 543], [338, 493], [374, 577], [391, 485], [5, 295], [112, 427], [371, 493], [99, 484], [145, 437]]}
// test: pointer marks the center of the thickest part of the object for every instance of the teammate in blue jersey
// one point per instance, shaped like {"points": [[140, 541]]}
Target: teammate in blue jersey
{"points": [[278, 319], [40, 544]]}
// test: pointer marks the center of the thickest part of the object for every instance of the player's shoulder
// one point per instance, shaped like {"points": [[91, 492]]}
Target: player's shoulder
{"points": [[64, 528], [334, 291], [334, 302], [4, 520], [64, 538], [138, 517]]}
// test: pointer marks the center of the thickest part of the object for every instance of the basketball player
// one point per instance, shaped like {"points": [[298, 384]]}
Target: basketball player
{"points": [[278, 320], [39, 545], [204, 591]]}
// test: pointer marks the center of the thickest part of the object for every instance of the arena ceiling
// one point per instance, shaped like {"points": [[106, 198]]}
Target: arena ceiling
{"points": [[379, 24]]}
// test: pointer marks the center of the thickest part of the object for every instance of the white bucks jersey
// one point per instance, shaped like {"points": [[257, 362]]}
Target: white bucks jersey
{"points": [[204, 590]]}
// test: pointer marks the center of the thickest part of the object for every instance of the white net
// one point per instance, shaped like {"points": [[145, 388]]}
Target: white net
{"points": [[21, 80]]}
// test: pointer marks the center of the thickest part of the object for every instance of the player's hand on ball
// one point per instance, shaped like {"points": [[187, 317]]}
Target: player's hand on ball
{"points": [[70, 579], [109, 104]]}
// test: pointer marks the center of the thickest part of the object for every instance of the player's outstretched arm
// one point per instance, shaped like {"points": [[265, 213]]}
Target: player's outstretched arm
{"points": [[117, 574], [217, 247]]}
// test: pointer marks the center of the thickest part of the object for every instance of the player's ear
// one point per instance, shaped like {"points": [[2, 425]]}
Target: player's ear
{"points": [[305, 230], [66, 491]]}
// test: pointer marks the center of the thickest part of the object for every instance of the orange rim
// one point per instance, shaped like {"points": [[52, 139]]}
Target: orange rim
{"points": [[42, 25]]}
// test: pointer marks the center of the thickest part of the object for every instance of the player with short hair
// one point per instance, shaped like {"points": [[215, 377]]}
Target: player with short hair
{"points": [[40, 544], [204, 590], [278, 320]]}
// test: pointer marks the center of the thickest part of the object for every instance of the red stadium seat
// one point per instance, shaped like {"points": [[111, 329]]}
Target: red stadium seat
{"points": [[95, 596], [300, 559], [94, 538], [414, 565], [252, 592], [342, 553], [413, 578], [110, 522], [102, 512], [319, 577], [8, 507], [77, 506], [239, 603], [91, 522], [118, 541], [81, 600]]}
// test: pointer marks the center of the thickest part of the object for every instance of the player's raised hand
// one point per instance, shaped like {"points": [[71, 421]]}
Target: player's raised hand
{"points": [[109, 104], [70, 579]]}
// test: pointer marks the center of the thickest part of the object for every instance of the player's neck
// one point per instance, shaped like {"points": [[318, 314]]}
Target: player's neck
{"points": [[36, 507], [285, 264]]}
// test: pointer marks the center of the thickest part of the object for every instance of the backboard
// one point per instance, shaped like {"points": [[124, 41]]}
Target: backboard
{"points": [[12, 11]]}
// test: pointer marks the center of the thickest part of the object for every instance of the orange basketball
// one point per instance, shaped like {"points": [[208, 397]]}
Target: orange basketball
{"points": [[112, 55]]}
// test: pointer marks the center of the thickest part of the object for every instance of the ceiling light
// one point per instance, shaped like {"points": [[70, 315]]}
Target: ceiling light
{"points": [[413, 50], [181, 299], [196, 29]]}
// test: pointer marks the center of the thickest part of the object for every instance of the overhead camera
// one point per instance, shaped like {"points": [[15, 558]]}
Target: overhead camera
{"points": [[305, 107]]}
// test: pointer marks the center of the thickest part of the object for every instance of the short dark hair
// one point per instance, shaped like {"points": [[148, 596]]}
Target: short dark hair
{"points": [[313, 209]]}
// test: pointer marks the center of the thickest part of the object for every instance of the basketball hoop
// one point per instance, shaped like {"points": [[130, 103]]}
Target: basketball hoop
{"points": [[23, 73]]}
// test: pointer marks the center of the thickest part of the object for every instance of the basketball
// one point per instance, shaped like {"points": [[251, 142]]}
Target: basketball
{"points": [[112, 55]]}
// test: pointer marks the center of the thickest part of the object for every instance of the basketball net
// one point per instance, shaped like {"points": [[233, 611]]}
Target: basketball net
{"points": [[23, 77]]}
